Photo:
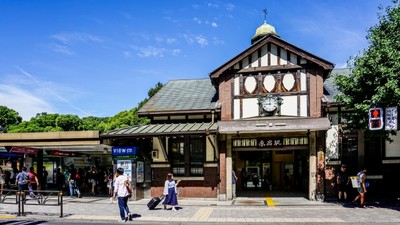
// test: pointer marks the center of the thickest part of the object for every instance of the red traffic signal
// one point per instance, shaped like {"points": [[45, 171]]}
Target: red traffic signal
{"points": [[375, 119]]}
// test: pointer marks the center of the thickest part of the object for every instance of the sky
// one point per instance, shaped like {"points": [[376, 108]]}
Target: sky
{"points": [[98, 58]]}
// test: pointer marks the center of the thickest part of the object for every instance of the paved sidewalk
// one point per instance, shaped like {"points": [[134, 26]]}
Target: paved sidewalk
{"points": [[241, 210]]}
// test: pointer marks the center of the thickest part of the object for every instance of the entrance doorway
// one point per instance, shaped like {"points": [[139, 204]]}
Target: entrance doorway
{"points": [[271, 171]]}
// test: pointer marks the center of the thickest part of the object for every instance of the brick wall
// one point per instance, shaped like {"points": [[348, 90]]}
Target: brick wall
{"points": [[206, 188], [225, 97], [316, 91]]}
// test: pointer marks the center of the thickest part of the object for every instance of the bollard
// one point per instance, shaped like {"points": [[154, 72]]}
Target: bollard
{"points": [[60, 201], [23, 203], [18, 198]]}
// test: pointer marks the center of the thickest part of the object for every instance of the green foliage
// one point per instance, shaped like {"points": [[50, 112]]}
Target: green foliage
{"points": [[8, 117], [93, 123], [151, 93], [375, 74], [51, 122], [69, 122]]}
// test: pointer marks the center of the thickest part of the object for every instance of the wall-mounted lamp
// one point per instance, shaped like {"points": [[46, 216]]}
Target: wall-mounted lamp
{"points": [[154, 153]]}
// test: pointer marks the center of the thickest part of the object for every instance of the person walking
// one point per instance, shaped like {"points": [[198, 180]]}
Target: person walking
{"points": [[2, 180], [92, 179], [170, 192], [72, 182], [362, 190], [342, 181], [21, 181], [45, 174], [234, 181], [33, 182], [121, 192], [110, 183], [60, 180]]}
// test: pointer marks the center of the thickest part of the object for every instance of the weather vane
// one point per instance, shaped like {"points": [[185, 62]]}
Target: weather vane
{"points": [[265, 14]]}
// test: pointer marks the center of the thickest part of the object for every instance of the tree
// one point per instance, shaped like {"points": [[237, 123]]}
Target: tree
{"points": [[93, 123], [151, 93], [48, 122], [8, 117], [375, 75], [69, 122]]}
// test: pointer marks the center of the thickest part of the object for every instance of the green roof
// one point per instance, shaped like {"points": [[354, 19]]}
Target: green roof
{"points": [[182, 95], [162, 129]]}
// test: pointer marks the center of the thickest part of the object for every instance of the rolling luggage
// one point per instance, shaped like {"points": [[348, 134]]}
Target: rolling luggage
{"points": [[154, 202]]}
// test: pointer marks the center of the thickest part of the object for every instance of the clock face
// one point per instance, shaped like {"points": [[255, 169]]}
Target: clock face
{"points": [[270, 104]]}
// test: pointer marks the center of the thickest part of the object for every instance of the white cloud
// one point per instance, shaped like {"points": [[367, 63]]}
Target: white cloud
{"points": [[171, 40], [28, 95], [148, 51], [214, 24], [217, 41], [63, 49], [127, 54], [176, 51], [230, 7], [24, 101], [201, 40], [197, 20], [212, 5], [68, 38]]}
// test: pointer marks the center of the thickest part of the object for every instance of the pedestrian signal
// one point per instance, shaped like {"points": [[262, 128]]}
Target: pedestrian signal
{"points": [[375, 118]]}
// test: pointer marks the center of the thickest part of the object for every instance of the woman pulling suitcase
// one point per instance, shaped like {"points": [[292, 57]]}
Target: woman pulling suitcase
{"points": [[170, 192]]}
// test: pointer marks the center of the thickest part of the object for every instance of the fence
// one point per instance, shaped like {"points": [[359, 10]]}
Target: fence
{"points": [[37, 197]]}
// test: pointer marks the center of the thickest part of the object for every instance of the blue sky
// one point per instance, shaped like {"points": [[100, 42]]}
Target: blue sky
{"points": [[98, 58]]}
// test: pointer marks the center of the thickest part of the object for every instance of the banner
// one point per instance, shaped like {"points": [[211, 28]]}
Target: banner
{"points": [[24, 150]]}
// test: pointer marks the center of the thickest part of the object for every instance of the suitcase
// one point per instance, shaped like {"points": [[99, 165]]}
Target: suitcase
{"points": [[154, 202]]}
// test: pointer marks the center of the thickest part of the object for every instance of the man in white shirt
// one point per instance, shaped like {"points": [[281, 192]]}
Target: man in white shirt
{"points": [[121, 191]]}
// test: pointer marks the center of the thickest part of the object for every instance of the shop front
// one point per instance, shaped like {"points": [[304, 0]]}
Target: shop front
{"points": [[47, 151]]}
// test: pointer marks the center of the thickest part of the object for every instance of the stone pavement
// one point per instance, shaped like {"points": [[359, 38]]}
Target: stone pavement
{"points": [[241, 210]]}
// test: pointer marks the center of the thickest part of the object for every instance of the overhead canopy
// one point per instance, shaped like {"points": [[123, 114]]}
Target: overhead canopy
{"points": [[273, 125], [162, 129]]}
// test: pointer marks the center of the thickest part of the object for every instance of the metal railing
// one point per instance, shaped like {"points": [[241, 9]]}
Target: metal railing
{"points": [[36, 197]]}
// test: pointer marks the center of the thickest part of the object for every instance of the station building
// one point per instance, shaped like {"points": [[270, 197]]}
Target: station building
{"points": [[258, 114]]}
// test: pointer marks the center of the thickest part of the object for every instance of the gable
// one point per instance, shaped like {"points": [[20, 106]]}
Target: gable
{"points": [[271, 53]]}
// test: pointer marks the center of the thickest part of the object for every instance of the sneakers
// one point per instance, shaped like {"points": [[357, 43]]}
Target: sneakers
{"points": [[129, 217], [173, 209], [122, 221]]}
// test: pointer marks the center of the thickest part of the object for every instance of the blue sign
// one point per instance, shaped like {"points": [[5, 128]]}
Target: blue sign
{"points": [[123, 150]]}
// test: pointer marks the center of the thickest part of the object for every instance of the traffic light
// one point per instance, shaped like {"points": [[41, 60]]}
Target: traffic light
{"points": [[375, 118]]}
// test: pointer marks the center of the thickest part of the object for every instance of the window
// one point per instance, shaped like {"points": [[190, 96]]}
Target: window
{"points": [[187, 155]]}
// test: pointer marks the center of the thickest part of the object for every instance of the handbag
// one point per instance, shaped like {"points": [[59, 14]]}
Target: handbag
{"points": [[129, 188]]}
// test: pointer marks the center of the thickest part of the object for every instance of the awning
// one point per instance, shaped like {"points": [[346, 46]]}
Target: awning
{"points": [[148, 130], [273, 125]]}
